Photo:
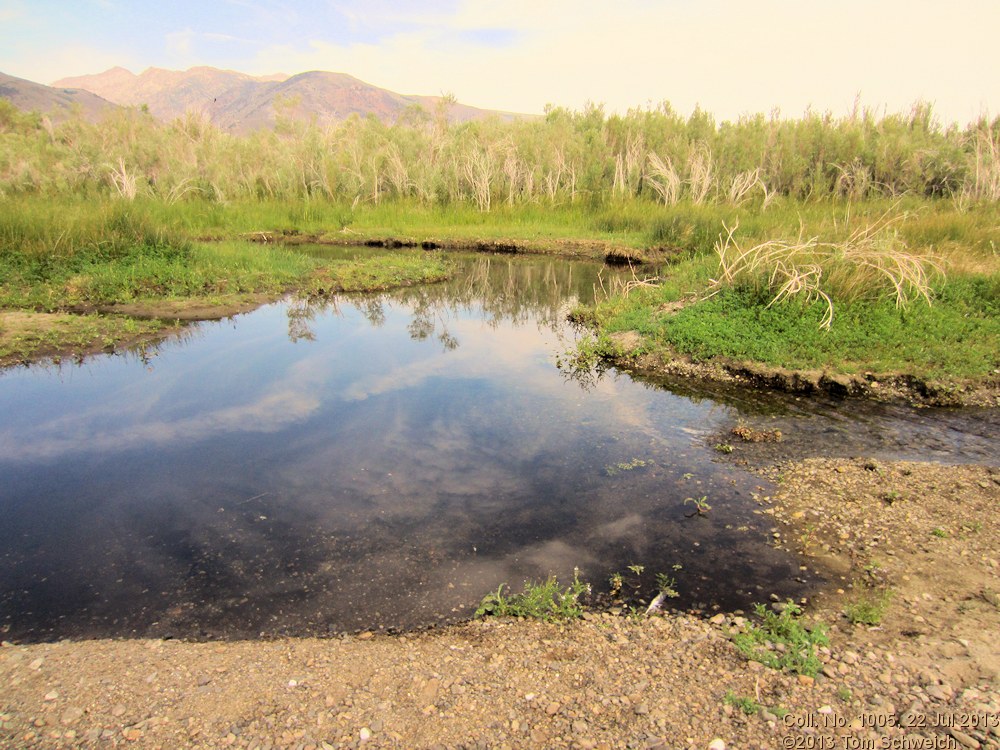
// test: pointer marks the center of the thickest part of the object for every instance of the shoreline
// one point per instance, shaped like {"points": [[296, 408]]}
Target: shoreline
{"points": [[603, 681], [172, 314]]}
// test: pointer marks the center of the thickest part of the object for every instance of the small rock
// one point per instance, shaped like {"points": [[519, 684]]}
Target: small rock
{"points": [[365, 734], [580, 727], [51, 695], [937, 692], [717, 744], [71, 715]]}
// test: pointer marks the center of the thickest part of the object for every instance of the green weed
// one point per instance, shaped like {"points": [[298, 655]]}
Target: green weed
{"points": [[781, 641], [614, 469], [546, 601], [745, 704], [701, 506], [868, 606]]}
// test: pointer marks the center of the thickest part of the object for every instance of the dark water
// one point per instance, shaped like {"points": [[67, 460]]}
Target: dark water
{"points": [[379, 462]]}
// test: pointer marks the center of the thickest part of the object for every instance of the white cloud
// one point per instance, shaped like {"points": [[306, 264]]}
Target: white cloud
{"points": [[731, 57], [180, 43], [291, 401]]}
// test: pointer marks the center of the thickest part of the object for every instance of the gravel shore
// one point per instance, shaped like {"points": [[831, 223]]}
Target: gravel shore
{"points": [[925, 676]]}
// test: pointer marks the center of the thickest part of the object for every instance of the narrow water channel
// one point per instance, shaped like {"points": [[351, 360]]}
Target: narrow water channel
{"points": [[382, 462]]}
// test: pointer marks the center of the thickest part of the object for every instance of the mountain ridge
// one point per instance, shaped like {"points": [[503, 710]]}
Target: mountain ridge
{"points": [[240, 103], [58, 103]]}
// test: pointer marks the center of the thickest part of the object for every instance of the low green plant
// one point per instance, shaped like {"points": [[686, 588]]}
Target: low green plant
{"points": [[636, 463], [868, 606], [667, 585], [845, 694], [701, 506], [546, 600], [972, 527], [616, 582], [745, 704], [939, 532], [723, 447], [781, 641]]}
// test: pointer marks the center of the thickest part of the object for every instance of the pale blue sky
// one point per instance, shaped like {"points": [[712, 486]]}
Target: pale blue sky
{"points": [[730, 56]]}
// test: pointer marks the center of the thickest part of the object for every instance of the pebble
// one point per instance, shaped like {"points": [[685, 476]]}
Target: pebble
{"points": [[71, 715], [717, 744]]}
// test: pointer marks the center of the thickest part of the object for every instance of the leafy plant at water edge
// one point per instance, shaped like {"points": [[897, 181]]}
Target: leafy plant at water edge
{"points": [[667, 585], [613, 469], [781, 641], [546, 601], [701, 506]]}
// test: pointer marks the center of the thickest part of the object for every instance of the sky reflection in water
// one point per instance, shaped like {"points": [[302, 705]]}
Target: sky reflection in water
{"points": [[372, 462]]}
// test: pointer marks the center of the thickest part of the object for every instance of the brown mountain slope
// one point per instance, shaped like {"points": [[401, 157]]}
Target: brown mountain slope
{"points": [[241, 103], [168, 93], [57, 103]]}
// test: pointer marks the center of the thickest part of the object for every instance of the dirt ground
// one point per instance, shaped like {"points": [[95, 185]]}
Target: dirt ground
{"points": [[926, 676]]}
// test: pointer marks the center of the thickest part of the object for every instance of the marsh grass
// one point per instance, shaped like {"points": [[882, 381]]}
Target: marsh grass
{"points": [[116, 252], [872, 261]]}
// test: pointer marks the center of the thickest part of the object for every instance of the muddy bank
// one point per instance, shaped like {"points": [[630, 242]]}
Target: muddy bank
{"points": [[607, 252], [887, 387], [925, 533], [28, 337]]}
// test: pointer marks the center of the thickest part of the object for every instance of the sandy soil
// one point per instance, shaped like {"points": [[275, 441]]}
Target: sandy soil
{"points": [[930, 670]]}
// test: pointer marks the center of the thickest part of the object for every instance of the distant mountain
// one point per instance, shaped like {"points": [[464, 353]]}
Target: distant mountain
{"points": [[57, 102], [240, 103]]}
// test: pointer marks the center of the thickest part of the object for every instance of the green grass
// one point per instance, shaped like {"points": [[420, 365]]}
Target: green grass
{"points": [[377, 272], [745, 704], [781, 641], [76, 253], [115, 252], [952, 336], [79, 257], [868, 606], [546, 601], [24, 336]]}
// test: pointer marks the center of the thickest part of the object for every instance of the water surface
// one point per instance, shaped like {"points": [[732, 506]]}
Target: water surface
{"points": [[377, 461]]}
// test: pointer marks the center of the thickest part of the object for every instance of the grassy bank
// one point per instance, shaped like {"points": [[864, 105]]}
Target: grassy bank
{"points": [[872, 293], [871, 290], [83, 276]]}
